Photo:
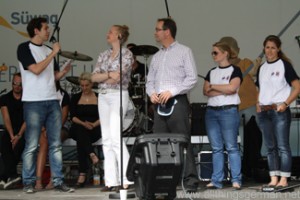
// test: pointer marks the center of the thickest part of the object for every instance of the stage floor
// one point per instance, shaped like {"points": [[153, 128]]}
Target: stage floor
{"points": [[249, 191]]}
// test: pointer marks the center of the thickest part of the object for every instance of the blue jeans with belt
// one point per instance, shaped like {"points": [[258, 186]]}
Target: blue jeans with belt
{"points": [[222, 129], [275, 127], [37, 115]]}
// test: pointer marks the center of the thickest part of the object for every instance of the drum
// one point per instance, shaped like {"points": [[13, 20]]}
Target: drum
{"points": [[137, 94], [130, 119]]}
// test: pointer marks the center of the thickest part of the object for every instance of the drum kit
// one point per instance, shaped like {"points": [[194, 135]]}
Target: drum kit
{"points": [[138, 119]]}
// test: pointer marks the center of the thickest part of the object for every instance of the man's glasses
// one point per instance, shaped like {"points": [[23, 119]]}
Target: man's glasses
{"points": [[214, 53], [17, 83]]}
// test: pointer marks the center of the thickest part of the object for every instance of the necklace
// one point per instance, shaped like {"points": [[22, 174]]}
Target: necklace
{"points": [[86, 97]]}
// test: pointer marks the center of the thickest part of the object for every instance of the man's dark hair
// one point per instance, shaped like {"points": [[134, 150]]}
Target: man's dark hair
{"points": [[169, 24], [35, 23]]}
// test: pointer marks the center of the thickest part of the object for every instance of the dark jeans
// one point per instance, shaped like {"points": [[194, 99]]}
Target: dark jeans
{"points": [[178, 122], [11, 157], [275, 127]]}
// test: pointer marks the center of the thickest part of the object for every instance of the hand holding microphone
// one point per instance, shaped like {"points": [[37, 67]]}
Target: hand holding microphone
{"points": [[56, 47]]}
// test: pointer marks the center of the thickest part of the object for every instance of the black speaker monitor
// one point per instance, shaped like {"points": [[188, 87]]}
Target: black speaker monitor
{"points": [[198, 118], [156, 163]]}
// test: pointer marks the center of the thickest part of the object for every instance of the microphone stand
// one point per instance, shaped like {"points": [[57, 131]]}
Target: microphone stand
{"points": [[147, 130], [167, 7], [57, 28], [117, 195], [200, 76], [298, 40]]}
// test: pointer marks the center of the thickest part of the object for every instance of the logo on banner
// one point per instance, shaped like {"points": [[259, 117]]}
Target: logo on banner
{"points": [[23, 18]]}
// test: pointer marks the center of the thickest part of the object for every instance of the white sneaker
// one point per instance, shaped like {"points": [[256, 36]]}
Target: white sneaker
{"points": [[2, 183], [11, 182]]}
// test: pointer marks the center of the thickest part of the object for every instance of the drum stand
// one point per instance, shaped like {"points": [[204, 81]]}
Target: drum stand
{"points": [[146, 117], [145, 96]]}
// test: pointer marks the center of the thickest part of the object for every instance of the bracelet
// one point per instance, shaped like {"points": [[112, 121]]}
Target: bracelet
{"points": [[287, 105]]}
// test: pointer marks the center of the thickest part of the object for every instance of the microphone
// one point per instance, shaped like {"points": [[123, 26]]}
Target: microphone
{"points": [[53, 39]]}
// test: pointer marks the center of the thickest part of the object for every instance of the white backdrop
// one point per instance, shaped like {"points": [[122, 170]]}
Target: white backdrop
{"points": [[84, 25]]}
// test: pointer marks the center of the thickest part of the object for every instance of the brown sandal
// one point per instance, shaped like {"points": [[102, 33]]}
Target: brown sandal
{"points": [[38, 184]]}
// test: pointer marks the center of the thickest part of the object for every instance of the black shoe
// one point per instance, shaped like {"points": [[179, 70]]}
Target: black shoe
{"points": [[107, 189], [64, 188], [29, 189], [191, 190], [80, 185], [11, 182]]}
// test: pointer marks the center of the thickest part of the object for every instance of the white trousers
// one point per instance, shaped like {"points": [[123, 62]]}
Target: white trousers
{"points": [[109, 111]]}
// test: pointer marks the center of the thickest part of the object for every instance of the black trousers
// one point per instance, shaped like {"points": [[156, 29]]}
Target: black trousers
{"points": [[178, 122], [10, 157], [85, 138]]}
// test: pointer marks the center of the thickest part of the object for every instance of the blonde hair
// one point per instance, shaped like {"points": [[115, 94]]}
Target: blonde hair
{"points": [[85, 76], [123, 31], [222, 46]]}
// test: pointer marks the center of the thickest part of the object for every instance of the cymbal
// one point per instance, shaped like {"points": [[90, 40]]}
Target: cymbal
{"points": [[75, 56], [75, 81], [142, 50]]}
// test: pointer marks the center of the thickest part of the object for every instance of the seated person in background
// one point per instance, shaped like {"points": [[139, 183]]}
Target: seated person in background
{"points": [[137, 76], [137, 67], [43, 149], [137, 83], [12, 141], [85, 128]]}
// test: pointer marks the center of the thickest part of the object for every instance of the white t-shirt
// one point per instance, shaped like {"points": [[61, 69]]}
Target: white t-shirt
{"points": [[274, 81], [36, 87], [223, 75]]}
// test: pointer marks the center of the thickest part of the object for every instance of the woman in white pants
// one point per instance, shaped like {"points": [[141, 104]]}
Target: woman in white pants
{"points": [[107, 75]]}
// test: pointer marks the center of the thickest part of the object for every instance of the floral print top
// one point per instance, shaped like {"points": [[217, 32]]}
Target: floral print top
{"points": [[105, 64]]}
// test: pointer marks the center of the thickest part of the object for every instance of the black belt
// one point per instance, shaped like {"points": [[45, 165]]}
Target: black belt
{"points": [[225, 107]]}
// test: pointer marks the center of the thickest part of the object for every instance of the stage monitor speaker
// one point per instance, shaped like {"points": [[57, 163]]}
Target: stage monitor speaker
{"points": [[156, 163], [198, 118], [205, 167]]}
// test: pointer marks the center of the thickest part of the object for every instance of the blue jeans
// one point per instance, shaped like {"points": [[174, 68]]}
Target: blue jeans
{"points": [[275, 127], [37, 115], [222, 130]]}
